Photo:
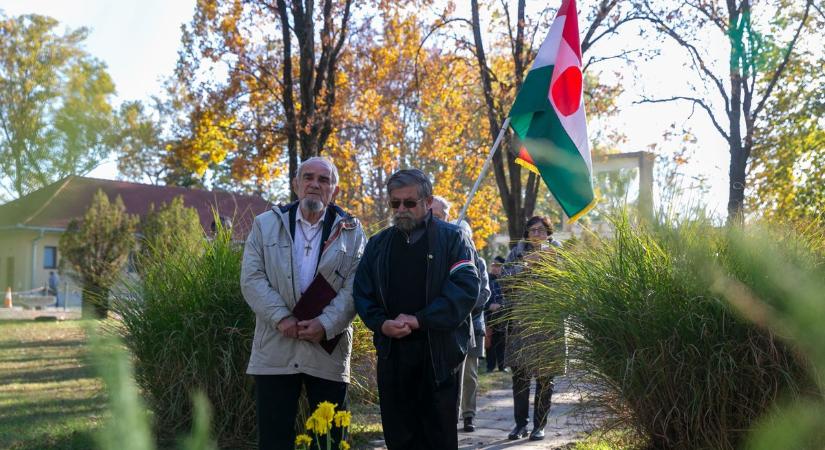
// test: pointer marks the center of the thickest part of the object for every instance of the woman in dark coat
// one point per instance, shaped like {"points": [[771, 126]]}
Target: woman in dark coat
{"points": [[522, 348]]}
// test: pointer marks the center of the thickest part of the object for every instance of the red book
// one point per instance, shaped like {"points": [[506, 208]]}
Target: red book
{"points": [[312, 303]]}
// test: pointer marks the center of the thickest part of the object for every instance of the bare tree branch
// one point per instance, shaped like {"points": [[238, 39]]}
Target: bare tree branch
{"points": [[601, 13], [696, 57], [695, 101], [707, 9], [596, 60]]}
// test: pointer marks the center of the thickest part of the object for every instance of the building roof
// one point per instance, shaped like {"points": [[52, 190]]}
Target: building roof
{"points": [[55, 205]]}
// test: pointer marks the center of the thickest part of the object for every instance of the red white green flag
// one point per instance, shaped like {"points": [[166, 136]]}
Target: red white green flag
{"points": [[548, 117]]}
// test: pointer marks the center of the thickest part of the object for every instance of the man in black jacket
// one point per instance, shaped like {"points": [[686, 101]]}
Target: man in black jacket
{"points": [[415, 287]]}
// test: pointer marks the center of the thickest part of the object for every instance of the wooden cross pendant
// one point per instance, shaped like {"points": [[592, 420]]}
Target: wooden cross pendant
{"points": [[307, 248]]}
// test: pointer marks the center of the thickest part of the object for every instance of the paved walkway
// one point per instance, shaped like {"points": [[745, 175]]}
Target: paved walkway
{"points": [[494, 420]]}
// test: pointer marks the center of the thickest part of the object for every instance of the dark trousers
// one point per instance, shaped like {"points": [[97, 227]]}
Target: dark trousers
{"points": [[415, 413], [495, 356], [276, 404], [521, 398]]}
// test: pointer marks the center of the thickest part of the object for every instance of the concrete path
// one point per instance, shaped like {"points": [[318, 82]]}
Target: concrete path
{"points": [[494, 420]]}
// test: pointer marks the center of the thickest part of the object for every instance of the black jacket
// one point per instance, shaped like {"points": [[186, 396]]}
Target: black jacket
{"points": [[452, 290]]}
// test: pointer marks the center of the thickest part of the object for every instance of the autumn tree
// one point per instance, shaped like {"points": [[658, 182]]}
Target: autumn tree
{"points": [[55, 111], [280, 59], [758, 51], [409, 102], [97, 248], [788, 170]]}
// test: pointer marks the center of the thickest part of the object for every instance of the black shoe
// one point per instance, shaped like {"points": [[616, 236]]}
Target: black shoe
{"points": [[468, 425], [537, 434], [519, 431]]}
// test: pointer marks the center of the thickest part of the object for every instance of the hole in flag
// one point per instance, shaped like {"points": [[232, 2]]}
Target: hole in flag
{"points": [[567, 91]]}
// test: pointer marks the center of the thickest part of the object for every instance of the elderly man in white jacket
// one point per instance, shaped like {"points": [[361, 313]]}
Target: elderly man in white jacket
{"points": [[287, 248]]}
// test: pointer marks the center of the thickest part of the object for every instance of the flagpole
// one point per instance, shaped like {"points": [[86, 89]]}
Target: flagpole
{"points": [[483, 170]]}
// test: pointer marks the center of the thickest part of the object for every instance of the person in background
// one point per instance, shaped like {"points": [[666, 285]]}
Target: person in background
{"points": [[495, 326], [54, 287], [538, 237], [469, 370]]}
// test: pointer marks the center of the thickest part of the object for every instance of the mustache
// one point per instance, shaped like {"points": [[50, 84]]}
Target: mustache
{"points": [[403, 214]]}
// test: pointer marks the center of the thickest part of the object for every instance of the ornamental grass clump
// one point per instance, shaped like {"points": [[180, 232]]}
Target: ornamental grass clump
{"points": [[669, 357], [189, 329]]}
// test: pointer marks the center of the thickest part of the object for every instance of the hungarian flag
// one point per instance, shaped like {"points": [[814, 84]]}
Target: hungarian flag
{"points": [[548, 117]]}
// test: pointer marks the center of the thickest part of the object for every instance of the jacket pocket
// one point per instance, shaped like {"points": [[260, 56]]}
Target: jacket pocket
{"points": [[260, 337], [342, 268]]}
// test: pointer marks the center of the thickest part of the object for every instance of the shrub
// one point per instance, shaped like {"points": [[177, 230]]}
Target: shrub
{"points": [[189, 328], [172, 227], [670, 358], [96, 248]]}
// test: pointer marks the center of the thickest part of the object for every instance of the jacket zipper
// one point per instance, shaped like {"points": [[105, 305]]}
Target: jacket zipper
{"points": [[381, 295], [427, 302]]}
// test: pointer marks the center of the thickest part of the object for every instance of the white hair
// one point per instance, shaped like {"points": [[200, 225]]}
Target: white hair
{"points": [[326, 161], [444, 202]]}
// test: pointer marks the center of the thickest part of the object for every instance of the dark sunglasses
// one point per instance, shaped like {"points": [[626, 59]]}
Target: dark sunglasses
{"points": [[409, 204]]}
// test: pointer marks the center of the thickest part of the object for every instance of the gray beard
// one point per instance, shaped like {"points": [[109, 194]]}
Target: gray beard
{"points": [[404, 223], [312, 205]]}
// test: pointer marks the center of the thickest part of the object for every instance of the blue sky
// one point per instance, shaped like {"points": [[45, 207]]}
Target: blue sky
{"points": [[138, 41]]}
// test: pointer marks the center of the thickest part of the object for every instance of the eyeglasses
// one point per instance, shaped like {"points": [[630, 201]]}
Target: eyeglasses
{"points": [[409, 204], [537, 230]]}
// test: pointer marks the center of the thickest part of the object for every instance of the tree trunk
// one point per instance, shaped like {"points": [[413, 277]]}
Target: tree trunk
{"points": [[309, 127], [508, 181], [736, 187]]}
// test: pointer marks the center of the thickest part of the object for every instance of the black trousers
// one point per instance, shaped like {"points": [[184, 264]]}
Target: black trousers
{"points": [[521, 398], [495, 357], [415, 413], [276, 404]]}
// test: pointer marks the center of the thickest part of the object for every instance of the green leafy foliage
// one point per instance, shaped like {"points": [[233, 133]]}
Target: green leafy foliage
{"points": [[171, 228], [97, 249], [141, 149], [55, 111]]}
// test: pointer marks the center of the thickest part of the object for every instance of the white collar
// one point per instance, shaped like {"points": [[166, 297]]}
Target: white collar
{"points": [[300, 217]]}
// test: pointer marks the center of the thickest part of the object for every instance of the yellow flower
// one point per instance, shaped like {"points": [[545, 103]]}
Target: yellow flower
{"points": [[343, 419], [303, 440], [318, 425], [344, 445], [325, 411]]}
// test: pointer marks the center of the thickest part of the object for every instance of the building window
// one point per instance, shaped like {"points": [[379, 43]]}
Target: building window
{"points": [[50, 257]]}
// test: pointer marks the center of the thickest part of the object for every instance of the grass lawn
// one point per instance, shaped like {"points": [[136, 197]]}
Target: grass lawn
{"points": [[49, 394]]}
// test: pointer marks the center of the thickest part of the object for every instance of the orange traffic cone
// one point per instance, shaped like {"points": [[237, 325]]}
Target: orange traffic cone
{"points": [[7, 301]]}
